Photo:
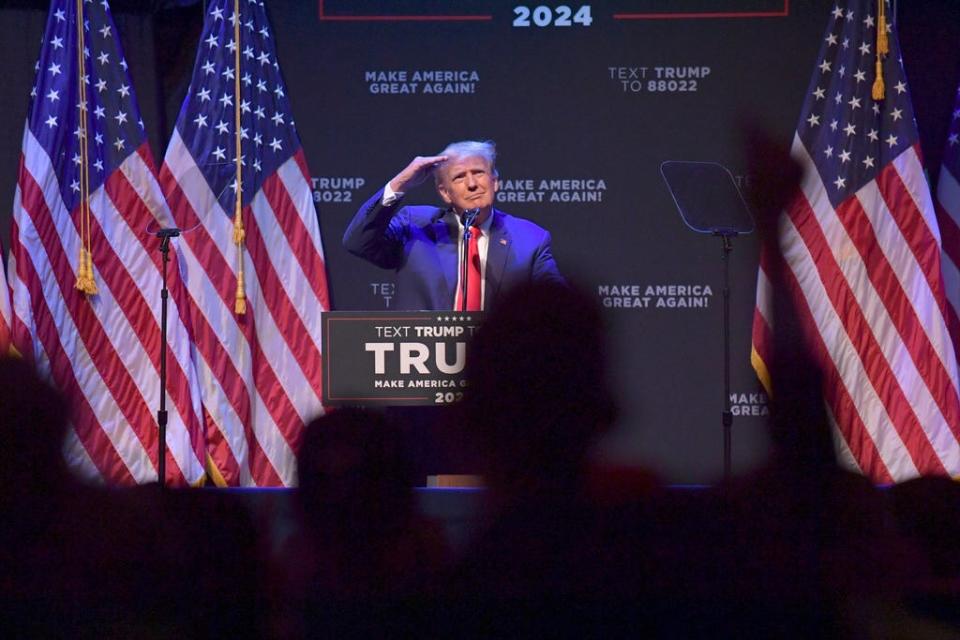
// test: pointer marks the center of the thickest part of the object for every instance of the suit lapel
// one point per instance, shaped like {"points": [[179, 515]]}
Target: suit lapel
{"points": [[497, 251], [446, 233]]}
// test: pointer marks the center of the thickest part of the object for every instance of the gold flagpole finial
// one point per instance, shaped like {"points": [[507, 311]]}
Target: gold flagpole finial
{"points": [[883, 48], [239, 234]]}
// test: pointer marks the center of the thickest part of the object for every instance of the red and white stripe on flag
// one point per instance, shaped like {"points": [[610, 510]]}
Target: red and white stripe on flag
{"points": [[866, 280], [6, 314], [103, 350], [260, 372]]}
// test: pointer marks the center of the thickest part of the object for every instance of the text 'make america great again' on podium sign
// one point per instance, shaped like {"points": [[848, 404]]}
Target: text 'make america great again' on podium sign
{"points": [[395, 357]]}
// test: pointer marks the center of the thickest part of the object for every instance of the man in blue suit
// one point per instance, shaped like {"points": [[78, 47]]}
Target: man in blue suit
{"points": [[425, 245]]}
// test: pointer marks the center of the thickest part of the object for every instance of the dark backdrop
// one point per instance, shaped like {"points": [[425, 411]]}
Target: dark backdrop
{"points": [[554, 98]]}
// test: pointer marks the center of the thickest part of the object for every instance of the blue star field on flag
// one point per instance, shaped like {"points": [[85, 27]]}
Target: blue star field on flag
{"points": [[114, 127], [207, 121], [850, 136]]}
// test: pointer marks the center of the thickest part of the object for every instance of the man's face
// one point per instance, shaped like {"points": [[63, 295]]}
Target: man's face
{"points": [[467, 183]]}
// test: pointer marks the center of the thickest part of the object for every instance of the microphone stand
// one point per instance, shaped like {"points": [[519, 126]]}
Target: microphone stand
{"points": [[164, 235], [727, 415], [469, 217]]}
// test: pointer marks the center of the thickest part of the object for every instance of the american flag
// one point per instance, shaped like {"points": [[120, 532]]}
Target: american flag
{"points": [[83, 135], [261, 370], [948, 217], [861, 255]]}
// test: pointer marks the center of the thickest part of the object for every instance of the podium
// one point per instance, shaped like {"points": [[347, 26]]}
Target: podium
{"points": [[395, 358]]}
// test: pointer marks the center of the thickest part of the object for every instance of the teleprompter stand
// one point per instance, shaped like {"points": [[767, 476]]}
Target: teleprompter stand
{"points": [[710, 202]]}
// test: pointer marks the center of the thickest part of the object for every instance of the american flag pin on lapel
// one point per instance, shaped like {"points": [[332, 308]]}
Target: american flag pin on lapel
{"points": [[503, 241]]}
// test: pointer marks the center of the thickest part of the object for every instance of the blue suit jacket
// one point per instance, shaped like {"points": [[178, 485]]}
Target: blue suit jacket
{"points": [[420, 243]]}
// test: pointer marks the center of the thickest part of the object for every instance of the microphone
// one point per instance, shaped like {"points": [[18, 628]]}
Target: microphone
{"points": [[470, 216], [172, 232]]}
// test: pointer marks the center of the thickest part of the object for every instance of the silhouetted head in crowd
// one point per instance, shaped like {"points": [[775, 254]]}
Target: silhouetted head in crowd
{"points": [[352, 470], [538, 394], [32, 428]]}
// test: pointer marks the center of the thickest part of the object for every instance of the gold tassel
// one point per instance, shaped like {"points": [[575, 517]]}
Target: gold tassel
{"points": [[91, 283], [81, 283], [240, 303], [878, 87]]}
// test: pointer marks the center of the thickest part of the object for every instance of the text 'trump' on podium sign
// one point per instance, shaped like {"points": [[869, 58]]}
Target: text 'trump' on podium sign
{"points": [[395, 357]]}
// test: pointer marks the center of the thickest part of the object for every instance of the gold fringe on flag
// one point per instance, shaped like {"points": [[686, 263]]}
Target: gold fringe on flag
{"points": [[85, 281], [240, 303], [883, 48]]}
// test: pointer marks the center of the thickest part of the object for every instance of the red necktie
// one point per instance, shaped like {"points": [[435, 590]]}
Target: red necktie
{"points": [[473, 268]]}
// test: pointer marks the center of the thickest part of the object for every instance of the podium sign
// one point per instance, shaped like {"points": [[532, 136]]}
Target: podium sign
{"points": [[398, 358]]}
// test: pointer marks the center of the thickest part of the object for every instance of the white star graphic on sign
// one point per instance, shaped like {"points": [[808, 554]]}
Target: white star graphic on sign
{"points": [[276, 145], [840, 182], [100, 112], [226, 99], [868, 163], [104, 57], [204, 95], [57, 42], [53, 96], [118, 143], [219, 153], [54, 69], [212, 41], [891, 140], [828, 152], [222, 127], [818, 92], [105, 31], [200, 121], [208, 68], [277, 118], [844, 156], [121, 117], [51, 121], [124, 91], [814, 120], [850, 129], [854, 103], [101, 85], [896, 114]]}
